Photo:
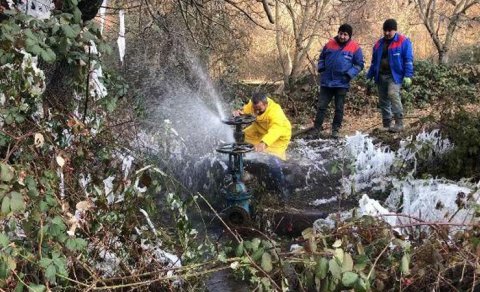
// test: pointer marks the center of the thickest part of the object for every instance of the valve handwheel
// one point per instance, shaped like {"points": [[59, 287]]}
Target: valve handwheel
{"points": [[231, 148], [240, 120]]}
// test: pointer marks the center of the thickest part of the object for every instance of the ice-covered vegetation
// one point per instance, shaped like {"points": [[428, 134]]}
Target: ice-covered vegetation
{"points": [[106, 176]]}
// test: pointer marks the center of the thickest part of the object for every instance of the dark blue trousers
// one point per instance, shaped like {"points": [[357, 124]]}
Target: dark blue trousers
{"points": [[325, 96]]}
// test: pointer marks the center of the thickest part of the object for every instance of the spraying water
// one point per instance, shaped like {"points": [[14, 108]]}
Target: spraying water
{"points": [[210, 90]]}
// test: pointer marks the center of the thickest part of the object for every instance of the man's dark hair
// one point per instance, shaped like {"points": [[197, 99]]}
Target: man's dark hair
{"points": [[259, 97], [346, 28], [390, 24]]}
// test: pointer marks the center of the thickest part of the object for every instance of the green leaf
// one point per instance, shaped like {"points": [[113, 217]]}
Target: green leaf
{"points": [[71, 244], [6, 172], [3, 269], [29, 43], [266, 263], [239, 250], [7, 264], [258, 254], [8, 36], [77, 15], [361, 285], [349, 279], [4, 140], [31, 186], [321, 268], [57, 220], [4, 240], [3, 190], [81, 243], [5, 205], [50, 273], [361, 262], [19, 118], [111, 104], [68, 31], [347, 265], [37, 288], [11, 263], [255, 244], [20, 287], [333, 285], [76, 244], [45, 262], [335, 269], [16, 202], [48, 55], [9, 119], [60, 262], [44, 207], [55, 29], [405, 263], [88, 36], [29, 34], [222, 257], [338, 255], [35, 50]]}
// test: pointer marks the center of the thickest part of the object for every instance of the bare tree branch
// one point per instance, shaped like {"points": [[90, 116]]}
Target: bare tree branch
{"points": [[267, 11]]}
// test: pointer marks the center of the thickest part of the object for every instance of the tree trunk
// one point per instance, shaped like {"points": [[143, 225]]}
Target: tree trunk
{"points": [[443, 56]]}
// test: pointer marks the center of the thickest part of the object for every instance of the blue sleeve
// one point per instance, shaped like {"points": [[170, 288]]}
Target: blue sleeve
{"points": [[371, 71], [357, 64], [408, 58], [321, 61]]}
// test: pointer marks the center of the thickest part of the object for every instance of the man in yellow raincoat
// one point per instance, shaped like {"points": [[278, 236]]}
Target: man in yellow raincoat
{"points": [[271, 131]]}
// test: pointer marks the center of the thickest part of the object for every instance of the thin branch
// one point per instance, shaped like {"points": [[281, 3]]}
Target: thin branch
{"points": [[244, 13]]}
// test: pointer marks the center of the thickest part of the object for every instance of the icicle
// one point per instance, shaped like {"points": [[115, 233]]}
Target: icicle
{"points": [[62, 183], [108, 186], [149, 221], [121, 35], [102, 11], [97, 88]]}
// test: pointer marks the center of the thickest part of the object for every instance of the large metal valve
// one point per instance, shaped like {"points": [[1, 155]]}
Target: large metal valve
{"points": [[236, 194]]}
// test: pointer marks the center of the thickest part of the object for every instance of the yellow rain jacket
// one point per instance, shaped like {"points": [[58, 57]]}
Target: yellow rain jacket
{"points": [[272, 128]]}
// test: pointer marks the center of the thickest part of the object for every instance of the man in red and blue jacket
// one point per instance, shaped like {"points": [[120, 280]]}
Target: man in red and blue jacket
{"points": [[392, 66], [340, 61]]}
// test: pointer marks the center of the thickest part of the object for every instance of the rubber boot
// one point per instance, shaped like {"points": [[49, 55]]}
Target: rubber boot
{"points": [[386, 124], [335, 133], [398, 126], [318, 133]]}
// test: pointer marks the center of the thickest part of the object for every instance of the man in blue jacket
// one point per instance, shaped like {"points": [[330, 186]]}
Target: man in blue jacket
{"points": [[392, 66], [340, 61]]}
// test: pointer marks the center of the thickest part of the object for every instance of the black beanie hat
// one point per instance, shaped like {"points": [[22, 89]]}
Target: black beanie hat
{"points": [[346, 28], [390, 24]]}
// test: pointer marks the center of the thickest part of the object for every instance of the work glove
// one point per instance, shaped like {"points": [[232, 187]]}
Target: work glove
{"points": [[407, 82]]}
